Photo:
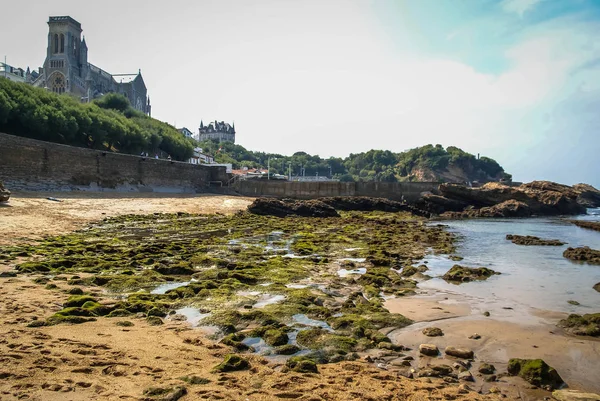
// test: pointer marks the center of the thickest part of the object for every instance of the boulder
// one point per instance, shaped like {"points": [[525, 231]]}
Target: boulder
{"points": [[460, 274], [574, 395], [436, 371], [466, 376], [433, 332], [287, 207], [531, 240], [588, 195], [586, 325], [429, 349], [583, 254], [365, 203], [463, 353], [439, 204], [4, 193], [536, 372], [597, 287], [487, 369]]}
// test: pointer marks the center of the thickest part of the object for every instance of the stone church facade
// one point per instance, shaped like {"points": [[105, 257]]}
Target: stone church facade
{"points": [[220, 131], [67, 70]]}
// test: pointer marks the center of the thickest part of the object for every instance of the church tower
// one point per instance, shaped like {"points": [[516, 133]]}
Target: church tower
{"points": [[64, 66]]}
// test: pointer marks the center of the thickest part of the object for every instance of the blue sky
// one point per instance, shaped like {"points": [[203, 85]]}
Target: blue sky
{"points": [[516, 80]]}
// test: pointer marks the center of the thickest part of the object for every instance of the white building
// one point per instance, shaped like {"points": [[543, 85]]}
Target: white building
{"points": [[12, 73]]}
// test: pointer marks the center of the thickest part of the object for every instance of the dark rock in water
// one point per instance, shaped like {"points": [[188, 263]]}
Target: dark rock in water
{"points": [[536, 372], [597, 287], [433, 332], [438, 204], [586, 325], [463, 353], [573, 302], [583, 254], [592, 225], [531, 240], [286, 207], [460, 274], [4, 193]]}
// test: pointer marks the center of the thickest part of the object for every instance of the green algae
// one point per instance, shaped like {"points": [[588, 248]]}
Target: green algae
{"points": [[231, 363], [536, 372], [302, 364]]}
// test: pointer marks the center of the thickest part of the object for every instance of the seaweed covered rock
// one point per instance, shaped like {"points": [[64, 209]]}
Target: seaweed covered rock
{"points": [[164, 393], [232, 363], [4, 193], [591, 225], [531, 240], [460, 274], [302, 364], [536, 372], [583, 254], [433, 332], [586, 325], [288, 207]]}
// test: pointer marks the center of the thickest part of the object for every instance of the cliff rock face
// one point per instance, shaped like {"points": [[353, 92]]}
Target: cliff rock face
{"points": [[497, 200], [4, 193]]}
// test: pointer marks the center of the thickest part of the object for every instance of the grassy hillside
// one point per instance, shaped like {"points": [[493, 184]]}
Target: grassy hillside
{"points": [[109, 123]]}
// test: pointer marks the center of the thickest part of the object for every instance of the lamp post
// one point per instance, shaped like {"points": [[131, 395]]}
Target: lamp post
{"points": [[269, 168]]}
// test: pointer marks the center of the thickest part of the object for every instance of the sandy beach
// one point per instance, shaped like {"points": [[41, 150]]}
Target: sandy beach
{"points": [[104, 360]]}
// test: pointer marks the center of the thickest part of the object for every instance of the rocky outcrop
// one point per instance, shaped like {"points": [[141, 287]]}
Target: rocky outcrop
{"points": [[597, 287], [588, 195], [460, 274], [531, 240], [542, 198], [586, 325], [286, 207], [592, 225], [583, 254], [365, 203], [4, 193], [536, 372]]}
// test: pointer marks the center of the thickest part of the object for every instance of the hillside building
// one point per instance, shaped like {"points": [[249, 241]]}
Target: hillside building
{"points": [[220, 131], [67, 70]]}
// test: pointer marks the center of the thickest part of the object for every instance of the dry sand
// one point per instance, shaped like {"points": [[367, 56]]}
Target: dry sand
{"points": [[102, 361]]}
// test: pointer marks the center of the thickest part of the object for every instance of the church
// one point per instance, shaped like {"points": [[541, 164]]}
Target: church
{"points": [[67, 70]]}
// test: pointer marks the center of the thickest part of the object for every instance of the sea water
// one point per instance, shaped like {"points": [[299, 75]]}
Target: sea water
{"points": [[531, 276]]}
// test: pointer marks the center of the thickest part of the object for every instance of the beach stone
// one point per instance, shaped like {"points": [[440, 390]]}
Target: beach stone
{"points": [[487, 369], [429, 349], [536, 372], [466, 376], [574, 395], [494, 390], [573, 302], [463, 389], [464, 353], [474, 336], [178, 317], [433, 331], [165, 393]]}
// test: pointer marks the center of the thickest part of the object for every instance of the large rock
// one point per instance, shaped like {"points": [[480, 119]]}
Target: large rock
{"points": [[597, 287], [586, 325], [438, 204], [574, 395], [4, 193], [588, 195], [460, 274], [463, 353], [583, 254], [287, 207], [536, 372], [531, 240], [541, 197], [429, 349]]}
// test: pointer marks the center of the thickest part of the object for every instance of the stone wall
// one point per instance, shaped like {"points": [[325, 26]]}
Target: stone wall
{"points": [[409, 191], [28, 164]]}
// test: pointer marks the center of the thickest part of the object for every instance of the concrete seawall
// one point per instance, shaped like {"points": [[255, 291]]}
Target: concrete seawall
{"points": [[29, 164], [408, 191]]}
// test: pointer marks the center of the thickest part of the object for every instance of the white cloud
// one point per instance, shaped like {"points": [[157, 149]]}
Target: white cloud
{"points": [[519, 7]]}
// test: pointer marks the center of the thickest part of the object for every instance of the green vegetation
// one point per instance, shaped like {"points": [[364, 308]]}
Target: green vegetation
{"points": [[586, 325], [108, 123], [374, 165], [460, 274]]}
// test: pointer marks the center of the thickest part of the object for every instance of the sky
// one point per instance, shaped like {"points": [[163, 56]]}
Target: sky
{"points": [[515, 80]]}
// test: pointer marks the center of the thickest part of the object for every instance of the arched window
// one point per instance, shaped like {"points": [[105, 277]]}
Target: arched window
{"points": [[58, 83], [55, 43], [62, 43]]}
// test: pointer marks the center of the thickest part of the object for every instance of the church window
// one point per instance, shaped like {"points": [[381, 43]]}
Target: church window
{"points": [[62, 43], [55, 43], [58, 83]]}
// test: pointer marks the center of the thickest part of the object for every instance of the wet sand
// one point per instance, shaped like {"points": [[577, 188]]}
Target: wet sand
{"points": [[30, 215], [507, 333]]}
